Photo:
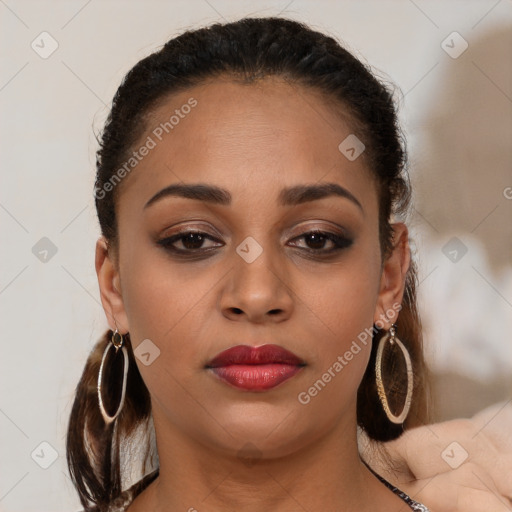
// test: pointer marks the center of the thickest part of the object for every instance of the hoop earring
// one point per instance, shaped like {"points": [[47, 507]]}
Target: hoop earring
{"points": [[391, 336], [117, 342]]}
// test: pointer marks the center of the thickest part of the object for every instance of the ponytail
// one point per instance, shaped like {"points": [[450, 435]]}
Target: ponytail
{"points": [[92, 446]]}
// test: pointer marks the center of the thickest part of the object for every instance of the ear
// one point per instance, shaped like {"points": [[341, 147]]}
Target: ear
{"points": [[110, 287], [392, 283]]}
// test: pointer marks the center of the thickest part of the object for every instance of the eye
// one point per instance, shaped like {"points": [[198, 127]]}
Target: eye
{"points": [[191, 241], [318, 239]]}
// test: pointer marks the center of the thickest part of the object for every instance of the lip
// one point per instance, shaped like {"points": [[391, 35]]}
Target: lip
{"points": [[255, 368]]}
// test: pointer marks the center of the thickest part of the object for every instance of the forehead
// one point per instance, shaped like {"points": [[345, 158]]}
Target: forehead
{"points": [[253, 139]]}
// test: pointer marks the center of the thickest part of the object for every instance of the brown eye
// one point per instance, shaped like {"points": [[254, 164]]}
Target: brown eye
{"points": [[191, 241], [316, 241]]}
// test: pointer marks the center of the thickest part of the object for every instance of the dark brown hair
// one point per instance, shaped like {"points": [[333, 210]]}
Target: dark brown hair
{"points": [[246, 51]]}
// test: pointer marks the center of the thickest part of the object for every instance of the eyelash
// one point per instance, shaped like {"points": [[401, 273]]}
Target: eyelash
{"points": [[340, 242]]}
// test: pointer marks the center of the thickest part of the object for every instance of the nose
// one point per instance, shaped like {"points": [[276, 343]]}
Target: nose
{"points": [[257, 292]]}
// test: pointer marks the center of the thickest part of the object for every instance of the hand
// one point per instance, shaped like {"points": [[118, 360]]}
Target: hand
{"points": [[459, 465]]}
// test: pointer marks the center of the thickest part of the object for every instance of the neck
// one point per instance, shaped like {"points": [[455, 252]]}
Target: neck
{"points": [[322, 474]]}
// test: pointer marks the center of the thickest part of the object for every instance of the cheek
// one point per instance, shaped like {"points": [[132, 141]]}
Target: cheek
{"points": [[346, 298], [164, 309], [342, 310], [172, 305], [161, 300]]}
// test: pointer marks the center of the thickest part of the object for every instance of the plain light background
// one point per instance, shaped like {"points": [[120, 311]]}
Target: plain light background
{"points": [[457, 115]]}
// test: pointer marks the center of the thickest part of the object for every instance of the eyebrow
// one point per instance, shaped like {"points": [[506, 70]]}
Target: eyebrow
{"points": [[291, 196]]}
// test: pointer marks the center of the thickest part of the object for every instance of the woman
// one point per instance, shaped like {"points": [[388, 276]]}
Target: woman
{"points": [[260, 288]]}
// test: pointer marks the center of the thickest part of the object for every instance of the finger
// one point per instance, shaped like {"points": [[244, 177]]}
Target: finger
{"points": [[496, 422], [463, 500], [467, 489], [502, 474], [442, 447], [423, 447]]}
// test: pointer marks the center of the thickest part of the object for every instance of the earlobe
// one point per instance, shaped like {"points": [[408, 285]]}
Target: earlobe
{"points": [[392, 283], [110, 287]]}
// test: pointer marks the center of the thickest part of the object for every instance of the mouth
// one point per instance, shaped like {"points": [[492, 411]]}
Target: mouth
{"points": [[255, 368]]}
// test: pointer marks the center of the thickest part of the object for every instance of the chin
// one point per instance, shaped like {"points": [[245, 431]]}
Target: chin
{"points": [[265, 434]]}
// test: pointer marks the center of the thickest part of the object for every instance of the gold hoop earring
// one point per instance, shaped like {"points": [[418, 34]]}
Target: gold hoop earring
{"points": [[116, 342], [391, 336]]}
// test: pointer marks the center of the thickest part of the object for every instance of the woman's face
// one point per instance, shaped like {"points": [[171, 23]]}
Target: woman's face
{"points": [[255, 277]]}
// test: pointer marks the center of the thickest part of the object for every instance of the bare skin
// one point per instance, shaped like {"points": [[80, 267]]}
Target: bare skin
{"points": [[252, 141], [481, 481]]}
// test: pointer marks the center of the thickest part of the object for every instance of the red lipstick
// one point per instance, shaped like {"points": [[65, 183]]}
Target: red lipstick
{"points": [[255, 368]]}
